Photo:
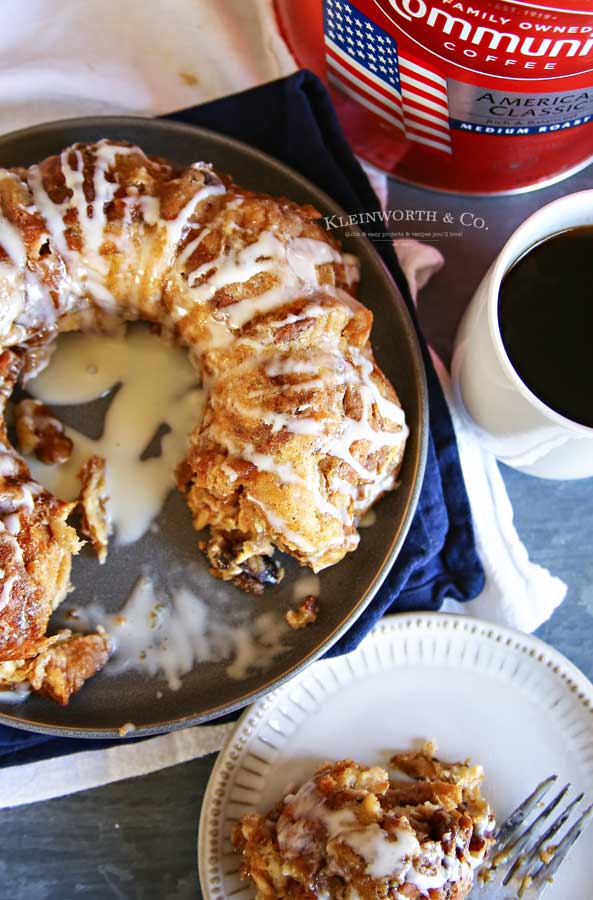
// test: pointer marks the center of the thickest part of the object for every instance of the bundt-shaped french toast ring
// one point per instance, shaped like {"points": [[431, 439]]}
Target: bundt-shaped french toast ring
{"points": [[36, 545], [302, 432]]}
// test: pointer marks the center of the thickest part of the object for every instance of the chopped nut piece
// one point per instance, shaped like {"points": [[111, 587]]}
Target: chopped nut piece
{"points": [[39, 432], [305, 613], [93, 503]]}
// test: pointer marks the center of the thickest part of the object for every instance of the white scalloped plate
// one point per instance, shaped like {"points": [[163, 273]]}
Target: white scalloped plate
{"points": [[504, 699]]}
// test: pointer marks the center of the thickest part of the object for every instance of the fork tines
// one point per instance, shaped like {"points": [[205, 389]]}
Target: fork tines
{"points": [[524, 857]]}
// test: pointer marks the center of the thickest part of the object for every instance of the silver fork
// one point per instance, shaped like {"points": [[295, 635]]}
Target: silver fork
{"points": [[527, 854]]}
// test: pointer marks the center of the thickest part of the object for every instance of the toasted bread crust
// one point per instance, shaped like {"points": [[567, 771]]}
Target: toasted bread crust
{"points": [[302, 432]]}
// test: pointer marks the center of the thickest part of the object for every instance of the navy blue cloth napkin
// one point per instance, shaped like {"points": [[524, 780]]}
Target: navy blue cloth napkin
{"points": [[293, 119]]}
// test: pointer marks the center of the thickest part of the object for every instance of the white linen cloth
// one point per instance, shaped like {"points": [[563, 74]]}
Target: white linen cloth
{"points": [[145, 57], [518, 592]]}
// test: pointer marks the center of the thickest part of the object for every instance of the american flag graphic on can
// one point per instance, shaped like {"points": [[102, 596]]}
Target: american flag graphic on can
{"points": [[364, 62], [474, 96]]}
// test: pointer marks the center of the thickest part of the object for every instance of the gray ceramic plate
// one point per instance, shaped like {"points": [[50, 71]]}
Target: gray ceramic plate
{"points": [[108, 701]]}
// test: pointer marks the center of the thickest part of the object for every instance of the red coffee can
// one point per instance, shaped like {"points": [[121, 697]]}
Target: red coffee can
{"points": [[471, 96]]}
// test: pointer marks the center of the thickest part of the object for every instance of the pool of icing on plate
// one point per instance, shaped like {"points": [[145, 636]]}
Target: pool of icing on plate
{"points": [[162, 628], [151, 385], [305, 586], [167, 629]]}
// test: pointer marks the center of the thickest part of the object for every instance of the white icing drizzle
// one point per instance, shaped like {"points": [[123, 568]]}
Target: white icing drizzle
{"points": [[51, 212], [305, 586], [15, 498], [17, 695], [360, 429], [9, 465], [278, 421], [311, 311], [483, 821], [192, 246], [285, 472], [282, 529], [351, 268], [168, 631], [397, 855], [370, 492], [175, 228], [344, 487], [385, 857], [293, 265], [158, 386], [308, 365], [7, 590], [334, 372], [303, 255], [16, 549], [236, 266], [12, 523], [11, 241], [12, 300], [91, 267], [368, 520], [29, 302], [19, 496], [88, 269]]}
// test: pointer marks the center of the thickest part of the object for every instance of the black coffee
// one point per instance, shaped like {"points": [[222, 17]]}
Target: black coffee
{"points": [[545, 313]]}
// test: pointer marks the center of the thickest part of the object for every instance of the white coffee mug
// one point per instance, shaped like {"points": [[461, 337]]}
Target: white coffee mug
{"points": [[510, 420]]}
